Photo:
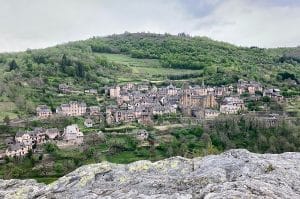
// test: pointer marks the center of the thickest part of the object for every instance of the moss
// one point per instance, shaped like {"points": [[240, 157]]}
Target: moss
{"points": [[269, 168]]}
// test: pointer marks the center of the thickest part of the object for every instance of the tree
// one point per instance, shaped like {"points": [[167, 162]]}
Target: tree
{"points": [[80, 70], [50, 148], [6, 120], [64, 63], [58, 167], [13, 65]]}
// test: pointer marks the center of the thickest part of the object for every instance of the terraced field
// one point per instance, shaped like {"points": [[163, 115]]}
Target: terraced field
{"points": [[147, 69]]}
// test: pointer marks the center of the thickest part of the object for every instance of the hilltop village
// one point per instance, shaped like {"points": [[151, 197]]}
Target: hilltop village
{"points": [[143, 104]]}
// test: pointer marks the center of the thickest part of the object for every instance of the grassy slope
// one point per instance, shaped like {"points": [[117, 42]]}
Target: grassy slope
{"points": [[144, 69]]}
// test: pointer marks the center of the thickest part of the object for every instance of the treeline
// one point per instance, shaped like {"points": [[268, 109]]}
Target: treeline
{"points": [[255, 135], [223, 134], [201, 53], [179, 51], [231, 133]]}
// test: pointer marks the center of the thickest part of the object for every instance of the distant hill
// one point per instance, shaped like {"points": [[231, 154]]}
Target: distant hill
{"points": [[33, 76]]}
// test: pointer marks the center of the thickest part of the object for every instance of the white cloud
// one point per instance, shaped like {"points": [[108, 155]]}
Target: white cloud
{"points": [[40, 23], [245, 23]]}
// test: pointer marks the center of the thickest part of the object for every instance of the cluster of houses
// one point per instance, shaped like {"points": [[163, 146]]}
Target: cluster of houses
{"points": [[72, 108], [141, 102], [25, 141], [253, 87]]}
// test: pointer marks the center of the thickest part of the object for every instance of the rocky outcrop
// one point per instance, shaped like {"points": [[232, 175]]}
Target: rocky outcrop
{"points": [[232, 174]]}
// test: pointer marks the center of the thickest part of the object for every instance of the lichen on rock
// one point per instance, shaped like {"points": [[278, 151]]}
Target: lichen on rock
{"points": [[232, 174]]}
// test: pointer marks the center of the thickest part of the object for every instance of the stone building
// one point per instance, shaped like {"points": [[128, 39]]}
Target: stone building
{"points": [[43, 112], [142, 134], [190, 100], [64, 88], [73, 108], [72, 135], [273, 93], [88, 123], [52, 133], [94, 110], [18, 149], [114, 92], [248, 86], [211, 114], [232, 105]]}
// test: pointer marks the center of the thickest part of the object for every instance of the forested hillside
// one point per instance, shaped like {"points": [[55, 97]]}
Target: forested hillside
{"points": [[28, 78]]}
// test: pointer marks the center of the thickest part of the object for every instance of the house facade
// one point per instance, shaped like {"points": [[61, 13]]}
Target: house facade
{"points": [[73, 108], [114, 92], [43, 112], [232, 105], [72, 135]]}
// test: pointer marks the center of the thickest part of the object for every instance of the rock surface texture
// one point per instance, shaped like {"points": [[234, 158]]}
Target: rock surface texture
{"points": [[232, 174]]}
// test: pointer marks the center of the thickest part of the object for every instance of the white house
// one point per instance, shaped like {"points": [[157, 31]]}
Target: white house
{"points": [[73, 135]]}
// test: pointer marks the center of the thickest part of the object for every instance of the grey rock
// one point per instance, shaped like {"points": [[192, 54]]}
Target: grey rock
{"points": [[232, 174]]}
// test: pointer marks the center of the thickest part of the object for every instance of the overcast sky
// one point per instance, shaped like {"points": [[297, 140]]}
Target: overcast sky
{"points": [[41, 23]]}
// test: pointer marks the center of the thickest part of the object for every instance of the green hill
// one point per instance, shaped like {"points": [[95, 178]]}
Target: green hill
{"points": [[31, 77]]}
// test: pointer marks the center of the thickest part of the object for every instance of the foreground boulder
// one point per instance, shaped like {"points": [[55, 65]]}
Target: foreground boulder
{"points": [[232, 174]]}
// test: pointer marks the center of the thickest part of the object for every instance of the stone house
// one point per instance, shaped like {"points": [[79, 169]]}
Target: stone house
{"points": [[211, 114], [64, 88], [128, 86], [248, 86], [94, 110], [114, 92], [171, 90], [109, 114], [9, 141], [124, 116], [18, 149], [145, 117], [37, 136], [222, 91], [88, 123], [274, 94], [52, 133], [196, 112], [23, 137], [27, 140], [188, 99], [73, 108], [232, 105], [123, 99], [72, 135], [43, 112], [91, 91], [161, 110], [143, 87], [142, 134]]}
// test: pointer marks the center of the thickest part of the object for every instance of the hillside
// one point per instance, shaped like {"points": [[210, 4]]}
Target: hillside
{"points": [[233, 174], [30, 78]]}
